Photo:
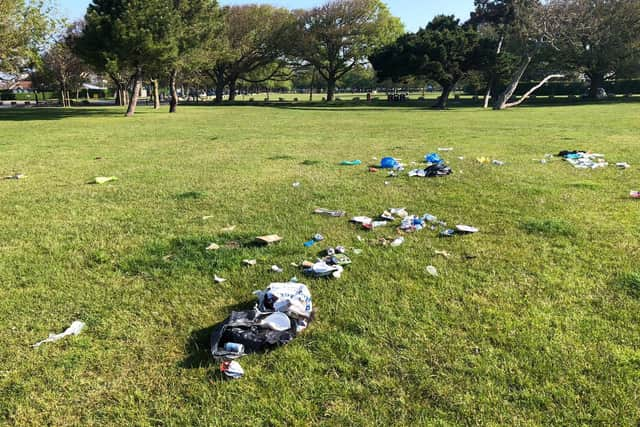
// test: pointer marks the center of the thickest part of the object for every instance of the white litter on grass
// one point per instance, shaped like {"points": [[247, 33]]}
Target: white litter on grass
{"points": [[213, 247], [398, 242], [218, 279], [277, 269], [75, 329], [432, 271], [296, 184]]}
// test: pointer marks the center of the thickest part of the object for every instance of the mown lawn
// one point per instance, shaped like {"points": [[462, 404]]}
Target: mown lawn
{"points": [[533, 321]]}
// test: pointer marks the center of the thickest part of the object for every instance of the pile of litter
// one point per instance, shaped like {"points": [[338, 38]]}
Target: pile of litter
{"points": [[411, 223], [436, 167], [283, 311], [330, 265], [16, 176], [584, 159]]}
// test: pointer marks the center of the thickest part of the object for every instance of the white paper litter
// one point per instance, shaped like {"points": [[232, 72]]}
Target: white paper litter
{"points": [[75, 329]]}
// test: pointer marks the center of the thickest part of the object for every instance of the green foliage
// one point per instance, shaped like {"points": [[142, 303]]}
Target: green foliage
{"points": [[334, 49], [549, 227]]}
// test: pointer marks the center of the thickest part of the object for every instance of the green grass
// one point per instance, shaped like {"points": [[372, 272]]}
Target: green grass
{"points": [[533, 321]]}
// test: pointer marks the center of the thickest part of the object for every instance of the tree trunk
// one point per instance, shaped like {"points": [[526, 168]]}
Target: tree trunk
{"points": [[441, 104], [596, 82], [505, 96], [331, 88], [133, 101], [533, 89], [232, 90], [156, 95], [62, 101], [173, 103], [35, 92], [219, 92]]}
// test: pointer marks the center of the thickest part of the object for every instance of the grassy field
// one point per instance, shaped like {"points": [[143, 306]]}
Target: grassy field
{"points": [[533, 321]]}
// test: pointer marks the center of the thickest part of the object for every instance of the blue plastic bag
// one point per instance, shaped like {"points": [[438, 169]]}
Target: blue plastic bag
{"points": [[433, 158], [389, 163]]}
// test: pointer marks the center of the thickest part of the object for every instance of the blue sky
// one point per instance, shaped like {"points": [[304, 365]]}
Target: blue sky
{"points": [[414, 13]]}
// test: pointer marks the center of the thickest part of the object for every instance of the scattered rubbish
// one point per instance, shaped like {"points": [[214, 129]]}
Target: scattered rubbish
{"points": [[389, 163], [443, 253], [399, 212], [73, 330], [268, 240], [435, 170], [292, 299], [204, 218], [373, 169], [228, 229], [341, 250], [315, 239], [460, 158], [294, 279], [433, 158], [445, 149], [16, 176], [351, 162], [249, 262], [623, 165], [432, 271], [232, 369], [483, 160], [277, 322], [397, 242], [387, 183], [635, 194], [583, 159], [213, 247], [327, 212], [498, 163], [296, 185], [357, 251], [277, 269], [218, 279], [465, 229], [103, 179], [233, 347], [447, 233], [322, 269]]}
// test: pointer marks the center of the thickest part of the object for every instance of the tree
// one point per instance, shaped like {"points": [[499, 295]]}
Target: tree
{"points": [[197, 32], [601, 38], [444, 51], [133, 35], [531, 30], [253, 37], [24, 28], [341, 34], [63, 65]]}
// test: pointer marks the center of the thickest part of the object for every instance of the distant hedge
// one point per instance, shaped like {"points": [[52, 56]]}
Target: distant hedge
{"points": [[558, 88], [7, 95]]}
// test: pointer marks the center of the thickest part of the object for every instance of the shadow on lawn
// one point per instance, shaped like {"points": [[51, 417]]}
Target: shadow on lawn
{"points": [[189, 254], [54, 113]]}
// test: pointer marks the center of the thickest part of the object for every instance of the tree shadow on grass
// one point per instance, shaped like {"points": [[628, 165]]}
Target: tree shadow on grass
{"points": [[189, 254], [51, 113]]}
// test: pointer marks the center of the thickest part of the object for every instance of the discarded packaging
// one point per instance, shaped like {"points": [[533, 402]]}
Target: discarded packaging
{"points": [[623, 165], [389, 163], [232, 369], [327, 212], [213, 247], [267, 240], [445, 149], [432, 271], [218, 279], [465, 229], [351, 162], [277, 322], [16, 176], [296, 184], [397, 242], [635, 194], [75, 329], [443, 253], [277, 269], [103, 179], [498, 163], [228, 229], [249, 262]]}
